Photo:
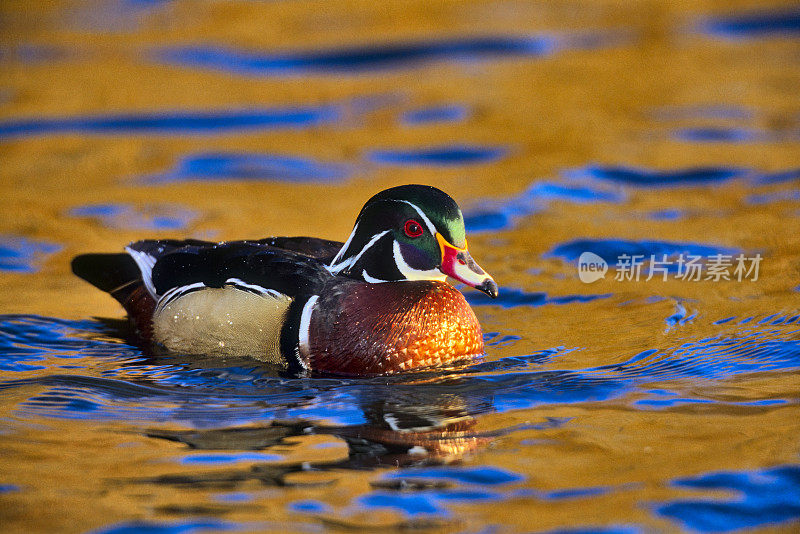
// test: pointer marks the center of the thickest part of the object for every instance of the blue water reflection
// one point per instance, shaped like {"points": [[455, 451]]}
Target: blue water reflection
{"points": [[778, 196], [667, 214], [711, 134], [503, 214], [444, 156], [429, 491], [765, 497], [185, 526], [472, 486], [358, 58], [779, 177], [435, 114], [115, 381], [125, 216], [308, 506], [31, 53], [485, 476], [23, 255], [175, 122], [640, 177], [598, 530], [227, 459], [756, 24], [706, 111], [213, 166], [136, 387]]}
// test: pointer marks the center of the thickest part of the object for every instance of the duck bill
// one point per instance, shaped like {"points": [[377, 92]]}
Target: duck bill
{"points": [[459, 265]]}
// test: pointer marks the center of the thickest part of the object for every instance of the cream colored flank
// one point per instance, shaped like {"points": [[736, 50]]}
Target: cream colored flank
{"points": [[223, 322]]}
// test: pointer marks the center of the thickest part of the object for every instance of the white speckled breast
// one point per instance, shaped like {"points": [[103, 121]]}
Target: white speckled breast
{"points": [[223, 322]]}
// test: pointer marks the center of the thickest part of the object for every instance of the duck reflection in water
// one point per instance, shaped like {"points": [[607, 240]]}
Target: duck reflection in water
{"points": [[416, 423], [411, 423]]}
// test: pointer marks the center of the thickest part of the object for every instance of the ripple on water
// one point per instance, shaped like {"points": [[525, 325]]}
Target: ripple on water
{"points": [[779, 177], [616, 529], [680, 317], [23, 255], [212, 166], [668, 214], [755, 24], [722, 356], [175, 122], [31, 53], [502, 214], [439, 156], [29, 338], [309, 506], [713, 134], [769, 198], [126, 216], [430, 490], [766, 497], [357, 59], [185, 526], [138, 390], [486, 475], [229, 458], [435, 114], [431, 498], [705, 111], [639, 177]]}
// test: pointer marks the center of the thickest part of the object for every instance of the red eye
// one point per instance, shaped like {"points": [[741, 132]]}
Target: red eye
{"points": [[412, 228]]}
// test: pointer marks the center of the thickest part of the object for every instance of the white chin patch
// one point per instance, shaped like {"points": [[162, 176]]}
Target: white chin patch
{"points": [[467, 275], [411, 273]]}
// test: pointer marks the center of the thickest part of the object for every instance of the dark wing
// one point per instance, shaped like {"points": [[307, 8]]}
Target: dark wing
{"points": [[249, 264], [323, 250], [162, 264], [120, 274], [153, 268]]}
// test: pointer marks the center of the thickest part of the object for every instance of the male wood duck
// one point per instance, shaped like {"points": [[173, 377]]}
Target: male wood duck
{"points": [[376, 304]]}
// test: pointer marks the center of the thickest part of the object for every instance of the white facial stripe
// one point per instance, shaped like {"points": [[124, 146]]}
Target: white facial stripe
{"points": [[145, 262], [305, 326], [425, 219], [372, 280], [333, 269], [345, 246], [411, 273]]}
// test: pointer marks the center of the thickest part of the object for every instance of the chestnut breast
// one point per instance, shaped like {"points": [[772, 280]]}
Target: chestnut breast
{"points": [[372, 329]]}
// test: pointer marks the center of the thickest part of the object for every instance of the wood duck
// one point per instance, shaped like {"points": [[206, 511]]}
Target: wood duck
{"points": [[376, 304]]}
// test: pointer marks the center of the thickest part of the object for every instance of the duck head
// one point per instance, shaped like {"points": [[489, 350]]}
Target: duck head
{"points": [[410, 232]]}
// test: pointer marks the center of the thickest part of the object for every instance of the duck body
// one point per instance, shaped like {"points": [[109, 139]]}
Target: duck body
{"points": [[363, 328], [295, 302]]}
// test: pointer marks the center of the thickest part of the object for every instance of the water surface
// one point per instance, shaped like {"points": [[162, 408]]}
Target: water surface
{"points": [[618, 404]]}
